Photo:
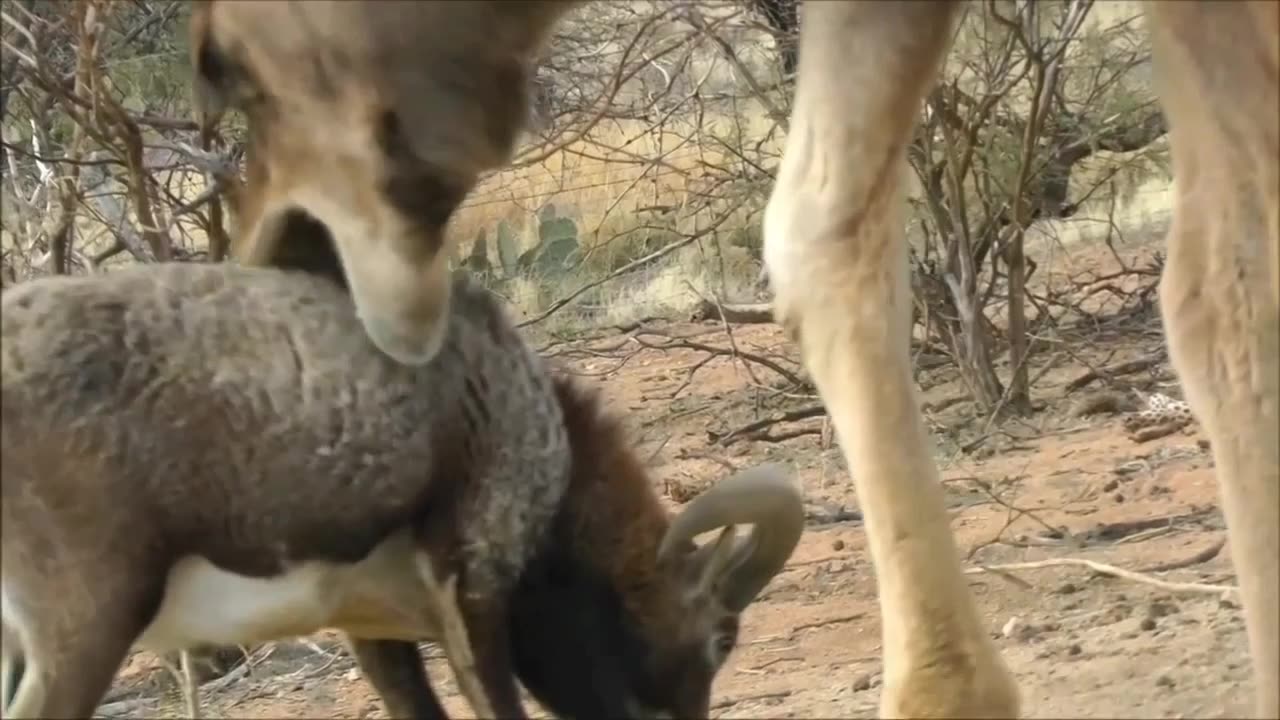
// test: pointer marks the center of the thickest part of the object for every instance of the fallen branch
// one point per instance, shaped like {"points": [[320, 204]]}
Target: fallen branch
{"points": [[1116, 531], [672, 343], [1109, 570], [1103, 403], [1154, 432], [823, 623], [802, 414], [1203, 556], [781, 436], [730, 702], [728, 331], [601, 333], [737, 313], [687, 454], [1124, 368]]}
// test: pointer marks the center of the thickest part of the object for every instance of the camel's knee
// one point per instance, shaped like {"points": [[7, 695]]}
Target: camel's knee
{"points": [[833, 231], [1222, 323], [833, 237]]}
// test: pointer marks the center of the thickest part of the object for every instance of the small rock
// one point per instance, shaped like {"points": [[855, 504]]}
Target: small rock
{"points": [[1147, 623], [1067, 589], [837, 544], [1119, 497], [1074, 649], [1011, 627], [1111, 486], [1163, 680], [861, 681], [353, 674], [1117, 613], [1161, 608]]}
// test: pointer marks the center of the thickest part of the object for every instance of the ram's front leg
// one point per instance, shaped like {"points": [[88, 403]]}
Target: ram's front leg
{"points": [[836, 257], [475, 635]]}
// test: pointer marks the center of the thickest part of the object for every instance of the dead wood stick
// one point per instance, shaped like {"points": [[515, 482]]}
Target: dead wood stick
{"points": [[1124, 368], [1203, 556], [804, 413], [736, 313], [729, 702], [1105, 569]]}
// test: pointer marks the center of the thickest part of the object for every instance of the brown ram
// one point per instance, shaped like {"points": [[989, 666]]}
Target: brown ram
{"points": [[219, 455]]}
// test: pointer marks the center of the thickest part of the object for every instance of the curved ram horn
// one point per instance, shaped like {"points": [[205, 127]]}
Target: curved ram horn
{"points": [[764, 496]]}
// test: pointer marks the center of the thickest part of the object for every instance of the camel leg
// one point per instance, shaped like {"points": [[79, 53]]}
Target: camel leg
{"points": [[836, 256], [1220, 294]]}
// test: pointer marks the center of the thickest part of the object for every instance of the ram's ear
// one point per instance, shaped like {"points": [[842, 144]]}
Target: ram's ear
{"points": [[210, 91]]}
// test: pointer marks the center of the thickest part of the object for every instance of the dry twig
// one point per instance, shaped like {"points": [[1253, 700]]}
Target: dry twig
{"points": [[751, 428], [1107, 570]]}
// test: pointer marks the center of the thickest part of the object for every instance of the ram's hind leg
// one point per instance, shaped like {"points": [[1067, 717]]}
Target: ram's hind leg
{"points": [[395, 670], [836, 256], [1220, 294]]}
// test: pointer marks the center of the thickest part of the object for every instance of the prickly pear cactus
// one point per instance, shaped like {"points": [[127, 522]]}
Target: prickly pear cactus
{"points": [[557, 240], [508, 250]]}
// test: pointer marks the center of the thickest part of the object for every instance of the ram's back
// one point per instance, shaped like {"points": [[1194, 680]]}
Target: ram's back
{"points": [[201, 391], [163, 328]]}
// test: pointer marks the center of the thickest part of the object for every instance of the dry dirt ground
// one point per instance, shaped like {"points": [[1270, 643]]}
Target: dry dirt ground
{"points": [[1054, 485]]}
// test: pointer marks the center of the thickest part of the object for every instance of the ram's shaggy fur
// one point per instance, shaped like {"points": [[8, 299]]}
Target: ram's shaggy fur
{"points": [[216, 455]]}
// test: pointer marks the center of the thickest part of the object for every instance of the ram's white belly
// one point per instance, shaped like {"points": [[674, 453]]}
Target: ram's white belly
{"points": [[382, 596]]}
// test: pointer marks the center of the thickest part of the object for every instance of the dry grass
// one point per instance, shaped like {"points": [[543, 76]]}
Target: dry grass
{"points": [[631, 189]]}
